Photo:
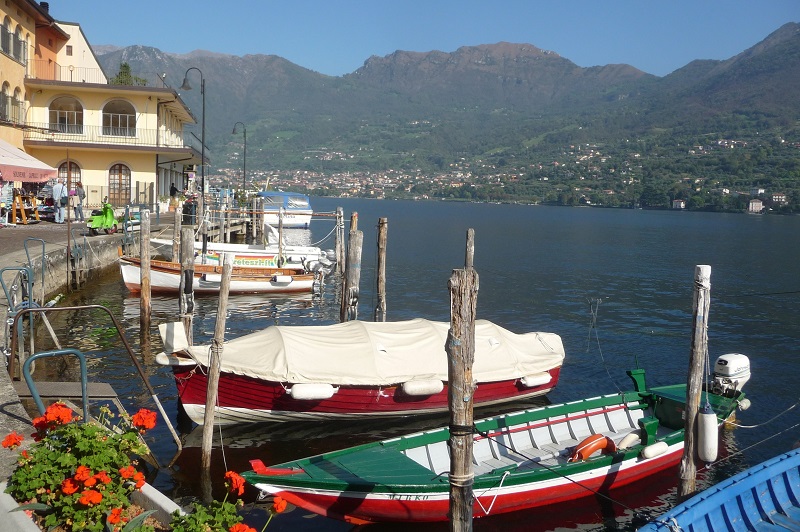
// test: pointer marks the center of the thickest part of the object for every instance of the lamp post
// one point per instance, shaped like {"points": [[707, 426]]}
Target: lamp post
{"points": [[188, 87], [244, 158]]}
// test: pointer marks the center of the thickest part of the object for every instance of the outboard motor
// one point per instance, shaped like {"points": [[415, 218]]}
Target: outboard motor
{"points": [[731, 373]]}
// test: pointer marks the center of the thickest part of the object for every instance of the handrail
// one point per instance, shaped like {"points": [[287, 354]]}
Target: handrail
{"points": [[127, 345], [26, 372]]}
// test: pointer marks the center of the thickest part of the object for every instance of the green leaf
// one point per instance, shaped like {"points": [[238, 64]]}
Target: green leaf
{"points": [[32, 506], [137, 521]]}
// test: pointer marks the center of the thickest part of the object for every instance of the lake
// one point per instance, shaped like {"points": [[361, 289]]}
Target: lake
{"points": [[615, 284]]}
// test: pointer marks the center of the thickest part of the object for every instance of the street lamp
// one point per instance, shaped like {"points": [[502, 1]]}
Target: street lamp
{"points": [[187, 87], [244, 159]]}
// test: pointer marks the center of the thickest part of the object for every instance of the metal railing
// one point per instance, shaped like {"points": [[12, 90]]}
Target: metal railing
{"points": [[51, 71], [79, 133]]}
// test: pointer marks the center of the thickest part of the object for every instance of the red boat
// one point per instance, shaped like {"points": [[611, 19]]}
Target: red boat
{"points": [[356, 369]]}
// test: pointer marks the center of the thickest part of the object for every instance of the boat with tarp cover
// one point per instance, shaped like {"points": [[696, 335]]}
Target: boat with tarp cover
{"points": [[527, 459], [355, 369]]}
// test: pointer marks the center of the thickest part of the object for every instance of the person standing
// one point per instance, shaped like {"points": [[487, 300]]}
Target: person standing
{"points": [[80, 195], [60, 198]]}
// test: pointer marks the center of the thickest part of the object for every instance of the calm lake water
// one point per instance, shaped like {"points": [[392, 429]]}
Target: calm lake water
{"points": [[541, 268]]}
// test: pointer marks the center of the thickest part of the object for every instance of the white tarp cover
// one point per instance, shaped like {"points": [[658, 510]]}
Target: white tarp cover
{"points": [[381, 353]]}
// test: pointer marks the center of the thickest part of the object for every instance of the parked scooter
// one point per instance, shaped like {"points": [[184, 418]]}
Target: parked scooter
{"points": [[102, 219]]}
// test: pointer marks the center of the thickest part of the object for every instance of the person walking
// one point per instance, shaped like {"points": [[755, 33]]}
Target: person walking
{"points": [[80, 195], [60, 199]]}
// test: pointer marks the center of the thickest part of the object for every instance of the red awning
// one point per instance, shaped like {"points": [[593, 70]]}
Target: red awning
{"points": [[16, 165]]}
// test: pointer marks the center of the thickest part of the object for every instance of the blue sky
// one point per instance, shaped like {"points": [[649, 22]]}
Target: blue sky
{"points": [[336, 37]]}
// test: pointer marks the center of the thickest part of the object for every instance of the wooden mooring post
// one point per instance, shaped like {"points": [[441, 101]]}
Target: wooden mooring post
{"points": [[213, 375], [145, 304], [460, 357], [701, 305], [176, 236], [349, 308], [380, 308], [186, 287], [340, 265]]}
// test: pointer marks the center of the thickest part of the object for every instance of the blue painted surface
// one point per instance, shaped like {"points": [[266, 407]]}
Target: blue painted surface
{"points": [[764, 497]]}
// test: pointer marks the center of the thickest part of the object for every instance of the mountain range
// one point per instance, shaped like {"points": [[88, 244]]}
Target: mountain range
{"points": [[427, 109]]}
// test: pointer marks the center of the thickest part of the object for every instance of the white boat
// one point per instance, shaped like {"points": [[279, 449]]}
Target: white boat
{"points": [[165, 277], [291, 209], [267, 255]]}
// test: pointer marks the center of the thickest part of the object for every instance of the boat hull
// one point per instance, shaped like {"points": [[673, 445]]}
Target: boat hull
{"points": [[168, 282], [243, 399], [764, 497], [413, 506]]}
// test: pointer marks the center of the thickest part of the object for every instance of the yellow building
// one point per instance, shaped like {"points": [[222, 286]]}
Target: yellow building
{"points": [[120, 134]]}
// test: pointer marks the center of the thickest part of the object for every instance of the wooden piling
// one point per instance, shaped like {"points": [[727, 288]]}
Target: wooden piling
{"points": [[176, 236], [145, 304], [214, 364], [340, 265], [354, 222], [460, 357], [349, 309], [380, 309], [701, 305], [186, 287]]}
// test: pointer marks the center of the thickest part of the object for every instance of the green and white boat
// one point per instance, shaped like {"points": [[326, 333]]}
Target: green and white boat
{"points": [[521, 460]]}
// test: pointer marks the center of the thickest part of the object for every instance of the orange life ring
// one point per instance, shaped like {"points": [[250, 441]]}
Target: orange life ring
{"points": [[592, 444]]}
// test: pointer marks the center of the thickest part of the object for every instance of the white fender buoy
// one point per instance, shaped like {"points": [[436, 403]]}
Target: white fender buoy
{"points": [[744, 404], [423, 387], [630, 439], [309, 391], [538, 379], [707, 435], [656, 449]]}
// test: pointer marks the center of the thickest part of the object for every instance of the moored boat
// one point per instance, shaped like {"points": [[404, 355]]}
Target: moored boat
{"points": [[165, 277], [764, 497], [527, 459], [356, 369], [289, 209]]}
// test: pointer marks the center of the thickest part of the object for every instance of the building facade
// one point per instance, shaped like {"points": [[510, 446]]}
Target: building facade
{"points": [[121, 135]]}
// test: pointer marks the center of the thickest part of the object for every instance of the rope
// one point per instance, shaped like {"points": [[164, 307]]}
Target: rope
{"points": [[556, 472], [326, 237], [478, 500], [594, 306]]}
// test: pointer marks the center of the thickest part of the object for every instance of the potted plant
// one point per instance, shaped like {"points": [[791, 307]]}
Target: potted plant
{"points": [[81, 476]]}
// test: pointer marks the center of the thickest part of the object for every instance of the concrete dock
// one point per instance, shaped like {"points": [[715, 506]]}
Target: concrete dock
{"points": [[100, 252]]}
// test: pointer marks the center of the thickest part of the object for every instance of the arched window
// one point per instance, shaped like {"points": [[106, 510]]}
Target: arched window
{"points": [[119, 119], [66, 115], [119, 185], [5, 102], [5, 38], [17, 107], [73, 176]]}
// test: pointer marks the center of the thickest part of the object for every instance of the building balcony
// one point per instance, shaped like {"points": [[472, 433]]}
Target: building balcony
{"points": [[106, 135], [47, 70]]}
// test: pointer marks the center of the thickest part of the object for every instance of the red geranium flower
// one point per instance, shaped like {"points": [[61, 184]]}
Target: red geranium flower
{"points": [[12, 441], [103, 477], [82, 473], [278, 505], [90, 498], [58, 414], [241, 527], [139, 478], [144, 419], [127, 471], [115, 516], [236, 482], [69, 486]]}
